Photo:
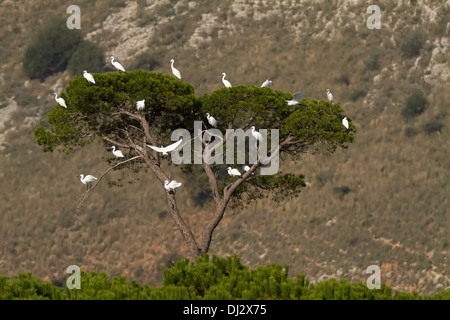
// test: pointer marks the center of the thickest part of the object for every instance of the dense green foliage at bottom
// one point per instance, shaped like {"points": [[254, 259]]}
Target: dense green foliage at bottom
{"points": [[211, 278]]}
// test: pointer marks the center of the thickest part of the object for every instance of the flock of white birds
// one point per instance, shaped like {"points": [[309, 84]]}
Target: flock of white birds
{"points": [[140, 105]]}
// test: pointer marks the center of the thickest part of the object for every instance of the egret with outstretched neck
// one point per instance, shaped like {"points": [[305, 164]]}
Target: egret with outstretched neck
{"points": [[226, 83], [117, 65], [60, 101], [175, 71], [87, 179], [117, 153]]}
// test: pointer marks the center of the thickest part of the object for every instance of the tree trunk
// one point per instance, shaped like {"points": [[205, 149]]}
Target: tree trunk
{"points": [[194, 250]]}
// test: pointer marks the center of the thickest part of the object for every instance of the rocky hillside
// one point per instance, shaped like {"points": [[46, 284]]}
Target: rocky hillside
{"points": [[383, 201]]}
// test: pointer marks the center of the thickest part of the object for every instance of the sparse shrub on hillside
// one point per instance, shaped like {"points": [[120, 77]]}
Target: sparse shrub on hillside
{"points": [[432, 126], [146, 61], [358, 93], [88, 56], [372, 63], [411, 132], [50, 49], [415, 104], [411, 43]]}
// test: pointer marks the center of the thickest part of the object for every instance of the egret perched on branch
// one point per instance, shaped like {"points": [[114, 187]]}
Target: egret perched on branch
{"points": [[89, 77], [297, 98], [246, 168], [256, 134], [175, 71], [330, 96], [140, 105], [117, 65], [267, 83], [345, 122], [60, 101], [167, 149], [233, 172], [172, 185], [211, 120], [87, 180], [226, 83], [117, 153]]}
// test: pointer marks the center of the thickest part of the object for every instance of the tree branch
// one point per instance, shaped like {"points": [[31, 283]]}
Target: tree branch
{"points": [[85, 195]]}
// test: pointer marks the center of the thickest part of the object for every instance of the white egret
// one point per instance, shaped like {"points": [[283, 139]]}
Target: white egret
{"points": [[87, 180], [117, 153], [140, 105], [297, 98], [175, 71], [226, 83], [345, 122], [246, 168], [60, 101], [117, 65], [211, 120], [167, 149], [267, 83], [172, 185], [233, 172], [330, 96], [256, 134], [89, 77]]}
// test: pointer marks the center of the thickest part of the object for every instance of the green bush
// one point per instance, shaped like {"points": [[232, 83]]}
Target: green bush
{"points": [[88, 56], [432, 126], [210, 278], [415, 104], [50, 49], [411, 43]]}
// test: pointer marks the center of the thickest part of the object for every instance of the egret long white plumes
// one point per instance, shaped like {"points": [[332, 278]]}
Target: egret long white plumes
{"points": [[60, 101], [345, 122], [117, 153], [89, 77], [175, 71], [246, 168], [117, 65], [233, 172], [165, 150], [258, 136], [226, 83], [172, 185], [297, 99], [330, 96], [211, 120], [267, 83], [140, 105], [87, 179]]}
